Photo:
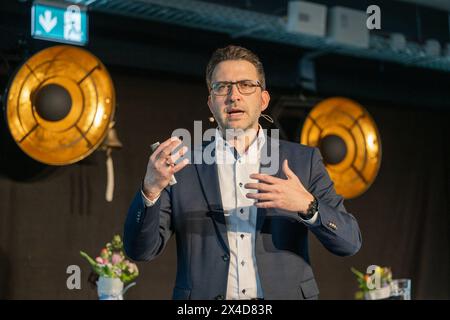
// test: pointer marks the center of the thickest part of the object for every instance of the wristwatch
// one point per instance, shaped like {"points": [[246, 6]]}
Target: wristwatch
{"points": [[312, 210]]}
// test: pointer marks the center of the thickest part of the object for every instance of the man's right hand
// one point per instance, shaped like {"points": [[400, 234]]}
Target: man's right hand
{"points": [[161, 167]]}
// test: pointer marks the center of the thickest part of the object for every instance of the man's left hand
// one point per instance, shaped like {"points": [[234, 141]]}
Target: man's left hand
{"points": [[287, 194]]}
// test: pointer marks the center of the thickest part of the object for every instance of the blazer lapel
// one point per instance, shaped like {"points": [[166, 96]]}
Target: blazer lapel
{"points": [[209, 180], [266, 162]]}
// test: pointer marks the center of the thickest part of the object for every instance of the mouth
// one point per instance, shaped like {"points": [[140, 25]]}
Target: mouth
{"points": [[235, 113]]}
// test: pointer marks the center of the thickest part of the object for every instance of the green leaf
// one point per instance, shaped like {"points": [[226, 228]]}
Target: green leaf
{"points": [[359, 274], [127, 277], [359, 295], [92, 262]]}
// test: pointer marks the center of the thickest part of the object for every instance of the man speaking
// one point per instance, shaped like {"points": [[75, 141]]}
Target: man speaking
{"points": [[240, 233]]}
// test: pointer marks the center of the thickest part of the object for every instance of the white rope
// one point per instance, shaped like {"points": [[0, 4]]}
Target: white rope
{"points": [[109, 177]]}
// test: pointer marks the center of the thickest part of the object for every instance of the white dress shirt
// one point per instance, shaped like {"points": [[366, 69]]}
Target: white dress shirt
{"points": [[240, 214]]}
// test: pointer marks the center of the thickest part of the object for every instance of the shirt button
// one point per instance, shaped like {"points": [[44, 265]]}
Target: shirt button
{"points": [[243, 291], [241, 211], [242, 236], [240, 184], [225, 257], [242, 262]]}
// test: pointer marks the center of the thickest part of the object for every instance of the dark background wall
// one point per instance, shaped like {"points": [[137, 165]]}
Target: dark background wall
{"points": [[48, 214]]}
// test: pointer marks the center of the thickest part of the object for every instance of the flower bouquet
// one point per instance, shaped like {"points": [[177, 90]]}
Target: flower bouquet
{"points": [[375, 284], [113, 270]]}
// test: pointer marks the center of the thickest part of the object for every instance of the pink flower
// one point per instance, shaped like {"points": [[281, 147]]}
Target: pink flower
{"points": [[111, 262], [116, 258]]}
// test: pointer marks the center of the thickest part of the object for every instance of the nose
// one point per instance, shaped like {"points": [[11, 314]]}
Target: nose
{"points": [[234, 94]]}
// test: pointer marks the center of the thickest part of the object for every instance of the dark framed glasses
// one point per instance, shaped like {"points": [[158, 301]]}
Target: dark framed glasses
{"points": [[223, 88]]}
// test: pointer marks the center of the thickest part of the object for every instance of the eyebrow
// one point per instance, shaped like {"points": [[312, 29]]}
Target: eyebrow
{"points": [[234, 81]]}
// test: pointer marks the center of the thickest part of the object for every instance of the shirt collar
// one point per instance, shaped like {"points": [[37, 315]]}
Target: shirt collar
{"points": [[258, 143]]}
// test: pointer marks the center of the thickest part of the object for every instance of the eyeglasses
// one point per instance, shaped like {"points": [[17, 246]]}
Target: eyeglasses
{"points": [[223, 88]]}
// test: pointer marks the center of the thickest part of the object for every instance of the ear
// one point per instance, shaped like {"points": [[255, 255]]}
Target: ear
{"points": [[209, 102], [265, 99]]}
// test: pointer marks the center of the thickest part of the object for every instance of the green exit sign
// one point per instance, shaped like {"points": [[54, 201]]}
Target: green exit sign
{"points": [[60, 22]]}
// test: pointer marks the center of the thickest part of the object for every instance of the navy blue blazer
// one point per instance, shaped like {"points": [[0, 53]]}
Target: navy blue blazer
{"points": [[192, 210]]}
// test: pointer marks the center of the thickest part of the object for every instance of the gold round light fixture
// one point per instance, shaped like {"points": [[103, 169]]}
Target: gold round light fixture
{"points": [[349, 142], [60, 104]]}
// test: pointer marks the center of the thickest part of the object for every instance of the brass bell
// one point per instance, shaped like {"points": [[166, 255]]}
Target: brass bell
{"points": [[111, 139]]}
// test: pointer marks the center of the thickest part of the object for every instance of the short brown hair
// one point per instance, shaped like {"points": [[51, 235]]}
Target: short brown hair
{"points": [[234, 53]]}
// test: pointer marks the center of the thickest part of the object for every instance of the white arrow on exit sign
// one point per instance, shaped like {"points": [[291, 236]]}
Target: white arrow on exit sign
{"points": [[47, 22]]}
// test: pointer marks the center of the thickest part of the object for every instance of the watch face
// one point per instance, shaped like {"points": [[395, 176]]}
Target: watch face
{"points": [[313, 208]]}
